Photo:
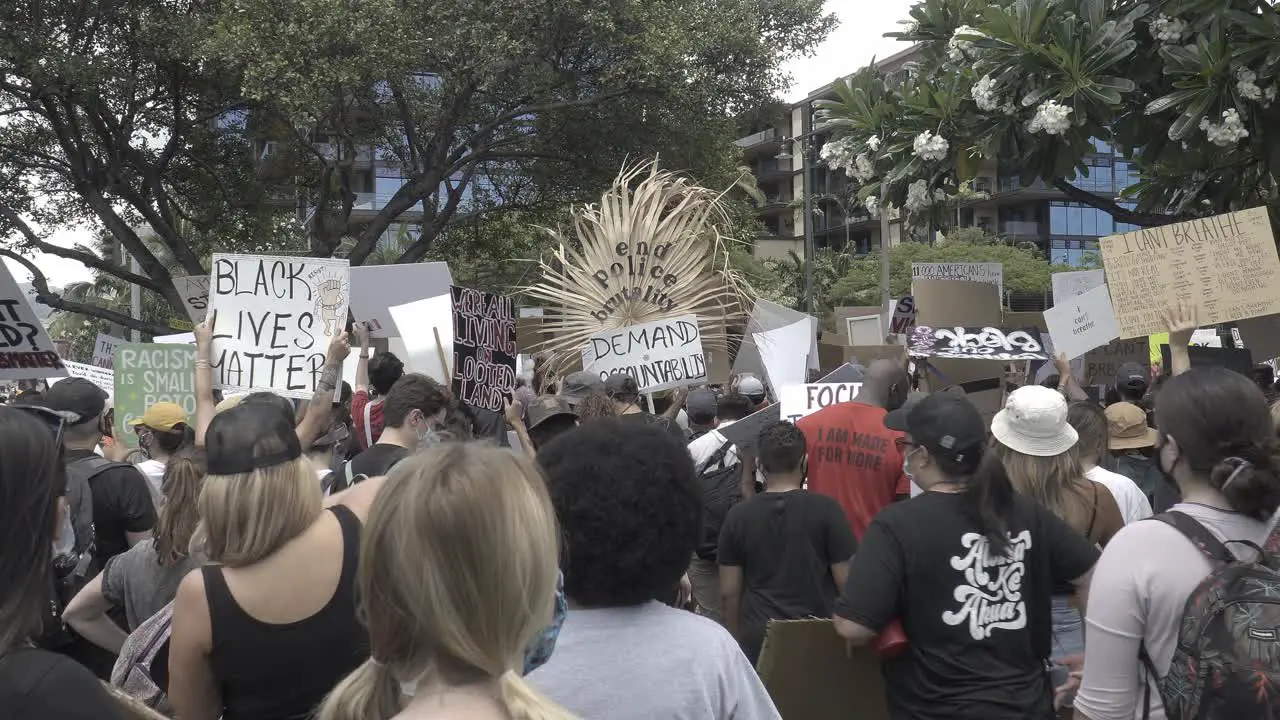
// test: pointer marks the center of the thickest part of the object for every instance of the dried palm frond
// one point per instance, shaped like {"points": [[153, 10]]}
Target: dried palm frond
{"points": [[665, 214]]}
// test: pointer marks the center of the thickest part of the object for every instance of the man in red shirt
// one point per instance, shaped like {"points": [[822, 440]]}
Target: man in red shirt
{"points": [[380, 372], [852, 455]]}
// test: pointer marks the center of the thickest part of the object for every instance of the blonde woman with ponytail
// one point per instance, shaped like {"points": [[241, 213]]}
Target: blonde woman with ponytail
{"points": [[457, 578]]}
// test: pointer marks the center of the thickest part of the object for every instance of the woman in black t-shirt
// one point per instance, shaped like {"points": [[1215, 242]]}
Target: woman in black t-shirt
{"points": [[35, 683], [967, 567]]}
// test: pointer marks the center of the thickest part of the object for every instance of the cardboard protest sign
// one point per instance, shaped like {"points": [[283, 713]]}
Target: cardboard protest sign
{"points": [[976, 343], [1102, 365], [104, 349], [147, 373], [275, 319], [425, 328], [1225, 265], [1082, 323], [194, 291], [1067, 285], [904, 316], [812, 674], [26, 352], [102, 377], [375, 289], [484, 348], [745, 433], [979, 381], [659, 355], [797, 401], [940, 303], [1025, 320], [989, 273], [1237, 359]]}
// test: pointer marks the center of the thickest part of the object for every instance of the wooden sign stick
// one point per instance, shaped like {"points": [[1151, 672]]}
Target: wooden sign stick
{"points": [[444, 364]]}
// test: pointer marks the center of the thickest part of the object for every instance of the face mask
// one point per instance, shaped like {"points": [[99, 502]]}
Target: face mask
{"points": [[1167, 474], [906, 459], [538, 653]]}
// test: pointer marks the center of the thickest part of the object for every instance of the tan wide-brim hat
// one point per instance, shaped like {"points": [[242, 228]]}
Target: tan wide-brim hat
{"points": [[1127, 427]]}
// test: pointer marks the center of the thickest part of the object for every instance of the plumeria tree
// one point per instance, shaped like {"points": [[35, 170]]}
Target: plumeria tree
{"points": [[1184, 88]]}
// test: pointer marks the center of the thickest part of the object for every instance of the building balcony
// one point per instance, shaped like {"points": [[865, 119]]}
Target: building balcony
{"points": [[761, 138], [1020, 229], [370, 204], [775, 205]]}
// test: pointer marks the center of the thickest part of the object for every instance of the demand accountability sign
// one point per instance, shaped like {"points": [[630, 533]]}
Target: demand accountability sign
{"points": [[659, 355]]}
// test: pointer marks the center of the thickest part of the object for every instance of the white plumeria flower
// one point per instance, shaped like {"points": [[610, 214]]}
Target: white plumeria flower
{"points": [[1050, 118]]}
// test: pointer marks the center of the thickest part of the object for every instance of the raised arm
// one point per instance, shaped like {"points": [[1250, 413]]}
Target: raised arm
{"points": [[316, 420], [1183, 321]]}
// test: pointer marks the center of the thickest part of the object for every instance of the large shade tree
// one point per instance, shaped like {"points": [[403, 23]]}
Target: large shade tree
{"points": [[1185, 88], [220, 116]]}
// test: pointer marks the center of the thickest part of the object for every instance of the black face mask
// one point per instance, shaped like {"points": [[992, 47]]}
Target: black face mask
{"points": [[1166, 474]]}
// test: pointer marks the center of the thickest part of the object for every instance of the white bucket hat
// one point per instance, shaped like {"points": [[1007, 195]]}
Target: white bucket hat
{"points": [[1034, 422]]}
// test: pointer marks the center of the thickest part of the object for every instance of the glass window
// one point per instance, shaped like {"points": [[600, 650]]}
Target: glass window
{"points": [[1058, 219], [234, 119]]}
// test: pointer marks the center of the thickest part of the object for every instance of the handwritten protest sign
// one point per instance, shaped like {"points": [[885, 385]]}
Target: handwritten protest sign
{"points": [[1082, 323], [1225, 265], [484, 348], [977, 343], [194, 291], [26, 352], [990, 273], [1067, 285], [1102, 365], [797, 401], [904, 315], [659, 355], [102, 377], [275, 319], [146, 374], [104, 349]]}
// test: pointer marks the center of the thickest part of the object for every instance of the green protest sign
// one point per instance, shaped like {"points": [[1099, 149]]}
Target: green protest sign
{"points": [[148, 373]]}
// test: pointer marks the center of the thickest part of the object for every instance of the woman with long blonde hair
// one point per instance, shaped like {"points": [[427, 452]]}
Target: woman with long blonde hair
{"points": [[270, 625], [457, 577], [143, 580], [1041, 454]]}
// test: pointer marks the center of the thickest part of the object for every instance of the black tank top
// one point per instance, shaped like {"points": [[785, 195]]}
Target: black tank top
{"points": [[282, 672]]}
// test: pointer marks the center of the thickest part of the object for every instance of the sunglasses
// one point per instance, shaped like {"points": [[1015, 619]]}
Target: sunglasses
{"points": [[904, 444], [53, 419]]}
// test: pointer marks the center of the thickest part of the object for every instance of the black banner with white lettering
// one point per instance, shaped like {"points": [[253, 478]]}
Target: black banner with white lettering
{"points": [[484, 348], [977, 343]]}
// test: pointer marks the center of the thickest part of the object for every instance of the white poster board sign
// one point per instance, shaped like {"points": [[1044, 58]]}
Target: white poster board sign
{"points": [[275, 319], [1067, 285], [1206, 337], [783, 363], [661, 354], [194, 291], [104, 378], [177, 339], [26, 352], [797, 401], [104, 350], [990, 273], [375, 289], [865, 330], [1082, 323], [419, 324]]}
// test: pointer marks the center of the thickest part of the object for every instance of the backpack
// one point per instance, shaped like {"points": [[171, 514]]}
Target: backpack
{"points": [[335, 482], [141, 671], [718, 482], [1226, 663]]}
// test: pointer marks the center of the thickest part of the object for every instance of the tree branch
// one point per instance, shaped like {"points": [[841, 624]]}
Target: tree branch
{"points": [[1117, 212], [47, 297], [89, 260]]}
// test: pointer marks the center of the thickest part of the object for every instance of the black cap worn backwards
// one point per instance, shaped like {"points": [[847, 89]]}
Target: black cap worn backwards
{"points": [[946, 425]]}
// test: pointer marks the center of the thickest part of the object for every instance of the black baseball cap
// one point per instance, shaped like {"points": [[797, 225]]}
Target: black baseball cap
{"points": [[944, 424], [621, 385], [1132, 376], [578, 385], [547, 407], [248, 437], [701, 404], [76, 396]]}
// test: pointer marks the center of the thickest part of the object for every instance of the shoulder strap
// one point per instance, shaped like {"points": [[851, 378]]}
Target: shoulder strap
{"points": [[1206, 542], [1094, 517], [717, 458], [346, 470], [351, 527], [368, 426]]}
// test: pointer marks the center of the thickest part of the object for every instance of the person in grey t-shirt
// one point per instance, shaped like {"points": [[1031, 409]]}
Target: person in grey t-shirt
{"points": [[630, 514], [135, 584]]}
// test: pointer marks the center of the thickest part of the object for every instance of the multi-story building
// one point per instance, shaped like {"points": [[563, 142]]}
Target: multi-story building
{"points": [[1036, 213]]}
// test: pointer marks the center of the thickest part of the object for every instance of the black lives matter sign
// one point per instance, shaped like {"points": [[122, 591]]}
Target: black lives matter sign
{"points": [[484, 348]]}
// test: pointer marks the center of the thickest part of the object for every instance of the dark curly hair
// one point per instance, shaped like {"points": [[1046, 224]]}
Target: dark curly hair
{"points": [[384, 370], [629, 506]]}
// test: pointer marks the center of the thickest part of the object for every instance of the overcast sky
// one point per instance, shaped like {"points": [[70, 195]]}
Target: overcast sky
{"points": [[856, 40]]}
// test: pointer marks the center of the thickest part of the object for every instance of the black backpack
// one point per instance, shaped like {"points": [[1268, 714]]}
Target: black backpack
{"points": [[718, 482], [336, 482]]}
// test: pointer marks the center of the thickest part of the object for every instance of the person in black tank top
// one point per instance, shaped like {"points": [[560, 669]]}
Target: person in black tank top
{"points": [[275, 547]]}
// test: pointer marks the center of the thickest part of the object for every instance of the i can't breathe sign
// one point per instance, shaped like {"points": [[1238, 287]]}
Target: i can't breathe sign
{"points": [[661, 354]]}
